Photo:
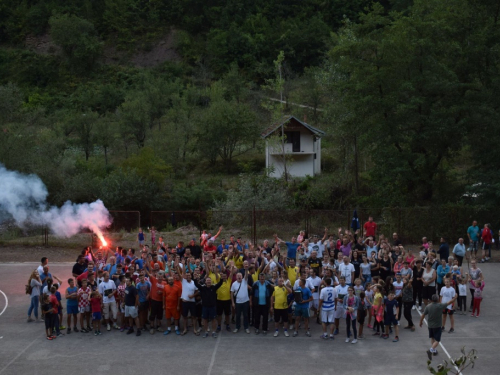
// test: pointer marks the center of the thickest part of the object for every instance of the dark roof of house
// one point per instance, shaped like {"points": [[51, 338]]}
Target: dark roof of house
{"points": [[287, 118]]}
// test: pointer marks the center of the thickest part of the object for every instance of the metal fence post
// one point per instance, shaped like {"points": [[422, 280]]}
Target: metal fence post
{"points": [[254, 226]]}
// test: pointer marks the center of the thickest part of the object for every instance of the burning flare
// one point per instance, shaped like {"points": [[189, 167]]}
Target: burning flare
{"points": [[101, 237]]}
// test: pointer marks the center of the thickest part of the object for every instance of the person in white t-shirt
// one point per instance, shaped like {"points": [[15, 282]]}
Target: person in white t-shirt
{"points": [[446, 295], [316, 282], [346, 269], [342, 291], [188, 296], [303, 275], [316, 246], [398, 290], [240, 300], [327, 303], [107, 288]]}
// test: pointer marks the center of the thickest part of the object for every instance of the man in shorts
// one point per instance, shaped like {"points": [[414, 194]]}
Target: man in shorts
{"points": [[327, 302], [279, 304], [434, 312], [302, 307], [72, 304], [189, 291], [223, 303], [107, 289], [131, 306], [156, 313], [172, 294]]}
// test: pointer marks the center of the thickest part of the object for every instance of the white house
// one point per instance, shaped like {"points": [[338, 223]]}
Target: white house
{"points": [[294, 147]]}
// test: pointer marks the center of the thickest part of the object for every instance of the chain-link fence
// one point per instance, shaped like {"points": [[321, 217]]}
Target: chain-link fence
{"points": [[256, 225], [411, 224]]}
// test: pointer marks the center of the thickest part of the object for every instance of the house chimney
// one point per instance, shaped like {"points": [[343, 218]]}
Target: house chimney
{"points": [[305, 117]]}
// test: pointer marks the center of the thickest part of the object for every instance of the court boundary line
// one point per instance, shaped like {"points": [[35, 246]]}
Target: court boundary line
{"points": [[212, 361]]}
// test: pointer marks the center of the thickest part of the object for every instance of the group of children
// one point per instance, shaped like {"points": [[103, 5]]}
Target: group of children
{"points": [[79, 300]]}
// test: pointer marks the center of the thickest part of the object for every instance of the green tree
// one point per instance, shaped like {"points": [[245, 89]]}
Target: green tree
{"points": [[77, 39], [398, 85], [227, 127], [85, 130], [135, 117]]}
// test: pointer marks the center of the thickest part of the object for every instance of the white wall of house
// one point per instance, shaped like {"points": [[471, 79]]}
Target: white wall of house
{"points": [[299, 164]]}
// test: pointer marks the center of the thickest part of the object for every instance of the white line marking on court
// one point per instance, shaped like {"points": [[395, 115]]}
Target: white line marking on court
{"points": [[6, 302], [442, 346], [17, 356], [213, 355]]}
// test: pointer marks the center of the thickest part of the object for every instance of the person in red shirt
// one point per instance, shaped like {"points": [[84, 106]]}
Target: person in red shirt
{"points": [[370, 228], [157, 289], [210, 247], [95, 304], [486, 237], [55, 306], [172, 298]]}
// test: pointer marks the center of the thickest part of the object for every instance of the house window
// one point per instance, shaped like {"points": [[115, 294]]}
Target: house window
{"points": [[294, 139]]}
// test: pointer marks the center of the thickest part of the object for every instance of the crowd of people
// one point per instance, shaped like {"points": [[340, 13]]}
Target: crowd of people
{"points": [[360, 277]]}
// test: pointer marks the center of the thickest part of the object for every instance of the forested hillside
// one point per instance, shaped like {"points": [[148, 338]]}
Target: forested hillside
{"points": [[160, 104]]}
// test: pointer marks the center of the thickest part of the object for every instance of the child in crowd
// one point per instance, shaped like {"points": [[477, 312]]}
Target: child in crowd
{"points": [[378, 309], [362, 310], [153, 236], [60, 307], [462, 295], [72, 304], [95, 303], [391, 313], [358, 287], [55, 306], [48, 312], [478, 286], [84, 306]]}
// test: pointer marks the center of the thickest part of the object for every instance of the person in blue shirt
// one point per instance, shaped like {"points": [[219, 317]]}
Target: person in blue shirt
{"points": [[143, 289], [444, 249], [45, 275], [302, 308], [261, 302], [474, 234], [222, 246], [291, 246], [71, 296], [441, 271]]}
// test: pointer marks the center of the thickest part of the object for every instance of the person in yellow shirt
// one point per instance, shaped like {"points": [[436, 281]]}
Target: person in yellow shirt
{"points": [[279, 304], [255, 273], [292, 271], [223, 303]]}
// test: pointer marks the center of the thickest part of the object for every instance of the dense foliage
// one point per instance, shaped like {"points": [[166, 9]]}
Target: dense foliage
{"points": [[407, 92]]}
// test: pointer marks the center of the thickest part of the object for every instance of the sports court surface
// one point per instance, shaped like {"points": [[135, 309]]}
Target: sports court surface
{"points": [[24, 350]]}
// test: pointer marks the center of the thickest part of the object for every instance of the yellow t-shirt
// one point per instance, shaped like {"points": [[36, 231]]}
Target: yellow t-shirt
{"points": [[238, 262], [255, 276], [292, 274], [224, 292], [377, 300], [280, 297], [213, 276]]}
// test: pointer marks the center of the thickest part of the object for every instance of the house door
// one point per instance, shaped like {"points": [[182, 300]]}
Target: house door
{"points": [[294, 139]]}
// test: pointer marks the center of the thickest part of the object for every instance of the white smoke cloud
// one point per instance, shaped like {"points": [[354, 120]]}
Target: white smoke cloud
{"points": [[24, 197]]}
